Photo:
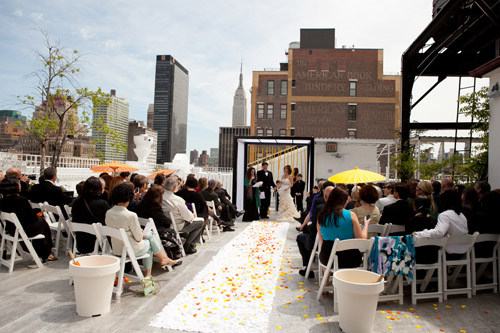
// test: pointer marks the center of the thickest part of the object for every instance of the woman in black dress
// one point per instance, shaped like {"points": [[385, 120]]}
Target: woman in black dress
{"points": [[89, 208], [33, 225], [252, 197]]}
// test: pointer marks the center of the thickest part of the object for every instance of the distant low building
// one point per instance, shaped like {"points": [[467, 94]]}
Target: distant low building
{"points": [[10, 133]]}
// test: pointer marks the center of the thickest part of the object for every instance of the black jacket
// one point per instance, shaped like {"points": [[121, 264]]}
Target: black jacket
{"points": [[267, 181], [81, 214], [156, 213], [397, 213]]}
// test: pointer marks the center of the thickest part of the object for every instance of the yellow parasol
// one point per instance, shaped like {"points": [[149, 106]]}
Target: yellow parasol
{"points": [[356, 176], [165, 172], [113, 167]]}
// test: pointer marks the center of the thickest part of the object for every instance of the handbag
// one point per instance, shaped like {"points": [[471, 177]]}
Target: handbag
{"points": [[148, 286]]}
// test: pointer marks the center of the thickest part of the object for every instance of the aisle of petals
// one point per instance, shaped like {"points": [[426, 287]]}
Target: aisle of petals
{"points": [[236, 288]]}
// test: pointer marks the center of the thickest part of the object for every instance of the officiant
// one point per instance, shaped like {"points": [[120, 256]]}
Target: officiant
{"points": [[266, 177]]}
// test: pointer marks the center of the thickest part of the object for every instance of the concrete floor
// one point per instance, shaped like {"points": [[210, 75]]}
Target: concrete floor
{"points": [[41, 300]]}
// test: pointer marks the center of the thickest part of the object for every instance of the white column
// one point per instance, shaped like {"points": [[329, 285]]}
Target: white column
{"points": [[494, 143]]}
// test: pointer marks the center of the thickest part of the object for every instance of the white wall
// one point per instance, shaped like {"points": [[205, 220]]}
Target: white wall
{"points": [[494, 147]]}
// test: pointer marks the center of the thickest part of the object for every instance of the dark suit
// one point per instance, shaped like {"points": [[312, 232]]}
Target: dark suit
{"points": [[298, 188], [53, 195], [305, 241], [397, 213], [267, 183], [227, 206], [209, 195]]}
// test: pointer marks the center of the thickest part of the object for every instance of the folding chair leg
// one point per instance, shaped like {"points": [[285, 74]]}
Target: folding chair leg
{"points": [[427, 279], [311, 257], [454, 275]]}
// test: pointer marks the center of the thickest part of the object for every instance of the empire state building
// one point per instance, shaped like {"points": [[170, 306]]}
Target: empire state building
{"points": [[240, 104]]}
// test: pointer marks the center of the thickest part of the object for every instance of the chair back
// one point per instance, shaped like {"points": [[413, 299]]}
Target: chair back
{"points": [[67, 208], [174, 223], [35, 205], [362, 245], [395, 228], [75, 227], [487, 238], [381, 229], [463, 239]]}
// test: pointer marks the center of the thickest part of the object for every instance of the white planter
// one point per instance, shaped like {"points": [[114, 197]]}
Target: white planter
{"points": [[93, 281], [357, 298]]}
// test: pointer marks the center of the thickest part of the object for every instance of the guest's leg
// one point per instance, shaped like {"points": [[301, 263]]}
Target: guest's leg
{"points": [[146, 262]]}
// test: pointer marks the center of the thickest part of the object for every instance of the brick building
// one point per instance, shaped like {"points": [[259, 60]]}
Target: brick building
{"points": [[326, 92]]}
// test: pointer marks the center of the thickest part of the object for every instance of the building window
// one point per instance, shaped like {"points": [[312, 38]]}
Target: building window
{"points": [[292, 131], [282, 132], [270, 111], [283, 111], [284, 87], [351, 113], [270, 87], [293, 83], [292, 106], [352, 88], [351, 133], [260, 111], [269, 132], [260, 132]]}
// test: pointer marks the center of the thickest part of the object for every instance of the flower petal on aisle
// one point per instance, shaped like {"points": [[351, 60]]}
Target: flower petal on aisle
{"points": [[235, 289]]}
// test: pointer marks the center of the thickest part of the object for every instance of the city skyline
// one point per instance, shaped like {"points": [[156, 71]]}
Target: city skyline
{"points": [[121, 41]]}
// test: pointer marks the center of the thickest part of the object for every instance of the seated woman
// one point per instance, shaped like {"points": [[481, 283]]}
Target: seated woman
{"points": [[422, 220], [424, 188], [150, 207], [450, 222], [120, 217], [368, 196], [89, 208], [12, 202], [334, 221]]}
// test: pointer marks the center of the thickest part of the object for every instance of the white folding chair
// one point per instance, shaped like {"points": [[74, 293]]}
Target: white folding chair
{"points": [[458, 264], [75, 227], [19, 236], [314, 255], [58, 225], [149, 224], [381, 229], [67, 208], [362, 245], [174, 226], [430, 268], [127, 255], [483, 263], [395, 228], [213, 223], [200, 219], [35, 205]]}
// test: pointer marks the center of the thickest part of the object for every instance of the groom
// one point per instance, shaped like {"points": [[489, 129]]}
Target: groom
{"points": [[266, 177]]}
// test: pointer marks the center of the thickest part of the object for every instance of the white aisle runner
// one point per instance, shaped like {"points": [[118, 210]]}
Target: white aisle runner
{"points": [[236, 288]]}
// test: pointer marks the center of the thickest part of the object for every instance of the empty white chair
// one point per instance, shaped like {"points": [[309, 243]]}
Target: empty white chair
{"points": [[362, 245], [477, 272], [127, 255], [458, 264], [19, 236]]}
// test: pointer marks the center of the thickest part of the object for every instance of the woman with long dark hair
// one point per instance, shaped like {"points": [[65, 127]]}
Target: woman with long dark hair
{"points": [[334, 221], [89, 208], [252, 197]]}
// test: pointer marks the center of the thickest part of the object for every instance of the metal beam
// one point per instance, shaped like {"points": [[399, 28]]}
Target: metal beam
{"points": [[442, 126], [440, 79]]}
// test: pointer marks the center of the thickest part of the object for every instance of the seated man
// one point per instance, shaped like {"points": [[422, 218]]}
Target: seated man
{"points": [[209, 195], [48, 191], [23, 179], [226, 204], [184, 219], [398, 212]]}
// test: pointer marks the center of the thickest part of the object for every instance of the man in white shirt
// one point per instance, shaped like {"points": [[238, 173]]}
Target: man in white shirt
{"points": [[184, 219], [388, 199]]}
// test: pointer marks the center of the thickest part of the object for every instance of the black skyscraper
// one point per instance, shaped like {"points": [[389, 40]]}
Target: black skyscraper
{"points": [[170, 107]]}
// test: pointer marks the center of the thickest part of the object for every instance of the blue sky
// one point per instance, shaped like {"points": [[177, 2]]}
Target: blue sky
{"points": [[121, 39]]}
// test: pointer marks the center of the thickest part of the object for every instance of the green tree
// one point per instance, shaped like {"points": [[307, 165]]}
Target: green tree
{"points": [[57, 100], [477, 106]]}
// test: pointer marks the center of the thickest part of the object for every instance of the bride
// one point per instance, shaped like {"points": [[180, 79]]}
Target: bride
{"points": [[286, 208]]}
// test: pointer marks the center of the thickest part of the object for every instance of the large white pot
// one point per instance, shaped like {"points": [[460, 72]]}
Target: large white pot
{"points": [[93, 281], [357, 298]]}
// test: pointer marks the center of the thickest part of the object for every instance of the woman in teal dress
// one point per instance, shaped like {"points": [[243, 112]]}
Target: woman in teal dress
{"points": [[252, 197]]}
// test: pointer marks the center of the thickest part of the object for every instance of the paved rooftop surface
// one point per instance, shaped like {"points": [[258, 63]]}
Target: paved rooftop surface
{"points": [[41, 300]]}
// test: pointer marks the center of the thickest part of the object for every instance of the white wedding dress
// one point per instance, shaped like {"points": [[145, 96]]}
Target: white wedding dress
{"points": [[286, 207]]}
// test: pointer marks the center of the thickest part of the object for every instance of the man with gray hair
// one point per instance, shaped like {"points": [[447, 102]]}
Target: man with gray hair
{"points": [[210, 195], [184, 219], [226, 204]]}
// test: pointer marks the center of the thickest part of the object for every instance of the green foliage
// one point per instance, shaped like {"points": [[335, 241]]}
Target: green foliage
{"points": [[405, 163], [59, 99]]}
